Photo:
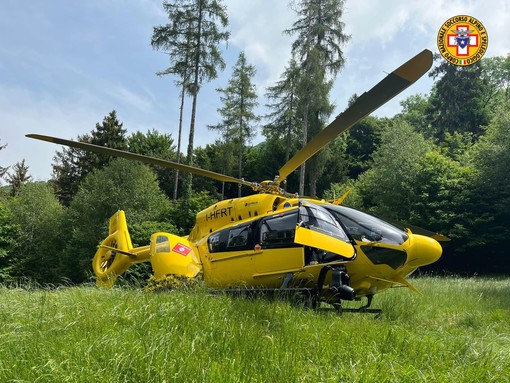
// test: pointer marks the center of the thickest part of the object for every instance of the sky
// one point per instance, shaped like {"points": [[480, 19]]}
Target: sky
{"points": [[65, 65]]}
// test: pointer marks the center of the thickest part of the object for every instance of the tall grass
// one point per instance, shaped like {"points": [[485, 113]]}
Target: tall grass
{"points": [[457, 331]]}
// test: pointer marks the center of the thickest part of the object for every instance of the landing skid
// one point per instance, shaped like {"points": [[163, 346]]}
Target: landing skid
{"points": [[305, 297], [338, 291], [365, 308]]}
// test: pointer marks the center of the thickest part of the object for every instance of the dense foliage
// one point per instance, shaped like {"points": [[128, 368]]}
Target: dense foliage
{"points": [[442, 163]]}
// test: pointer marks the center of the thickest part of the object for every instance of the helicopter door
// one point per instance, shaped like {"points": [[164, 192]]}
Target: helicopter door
{"points": [[278, 251], [317, 228], [231, 253]]}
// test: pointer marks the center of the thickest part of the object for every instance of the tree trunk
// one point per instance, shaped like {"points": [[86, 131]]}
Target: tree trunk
{"points": [[313, 175], [181, 112], [305, 141], [189, 177]]}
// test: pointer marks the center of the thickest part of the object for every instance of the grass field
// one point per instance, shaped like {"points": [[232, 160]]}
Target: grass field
{"points": [[457, 331]]}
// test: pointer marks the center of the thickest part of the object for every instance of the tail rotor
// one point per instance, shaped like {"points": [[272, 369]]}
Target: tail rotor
{"points": [[116, 253]]}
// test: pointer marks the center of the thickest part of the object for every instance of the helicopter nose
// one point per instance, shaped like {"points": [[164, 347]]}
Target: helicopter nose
{"points": [[423, 251]]}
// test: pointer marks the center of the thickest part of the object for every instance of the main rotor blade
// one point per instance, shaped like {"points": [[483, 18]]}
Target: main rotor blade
{"points": [[139, 157], [389, 87]]}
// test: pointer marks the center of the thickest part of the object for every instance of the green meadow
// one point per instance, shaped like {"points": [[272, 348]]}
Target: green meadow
{"points": [[457, 331]]}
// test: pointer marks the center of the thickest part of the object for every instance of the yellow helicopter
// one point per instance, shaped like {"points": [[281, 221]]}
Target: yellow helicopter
{"points": [[277, 241]]}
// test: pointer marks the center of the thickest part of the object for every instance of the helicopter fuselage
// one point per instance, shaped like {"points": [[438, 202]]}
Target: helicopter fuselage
{"points": [[385, 254], [260, 240]]}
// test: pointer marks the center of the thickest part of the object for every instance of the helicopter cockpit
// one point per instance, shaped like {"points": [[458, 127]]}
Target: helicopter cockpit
{"points": [[316, 218], [368, 228]]}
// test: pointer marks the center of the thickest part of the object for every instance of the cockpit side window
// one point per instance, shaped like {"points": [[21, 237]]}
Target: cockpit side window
{"points": [[318, 219]]}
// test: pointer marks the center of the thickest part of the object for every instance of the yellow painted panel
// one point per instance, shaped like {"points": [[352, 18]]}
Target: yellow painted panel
{"points": [[322, 241], [174, 255]]}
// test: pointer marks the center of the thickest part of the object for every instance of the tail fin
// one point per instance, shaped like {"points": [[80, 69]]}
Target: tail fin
{"points": [[116, 253]]}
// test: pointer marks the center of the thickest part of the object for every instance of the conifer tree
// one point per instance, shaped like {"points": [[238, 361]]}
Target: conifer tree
{"points": [[318, 48], [284, 99], [110, 133], [18, 177], [71, 165], [180, 66], [195, 30], [456, 102], [239, 101]]}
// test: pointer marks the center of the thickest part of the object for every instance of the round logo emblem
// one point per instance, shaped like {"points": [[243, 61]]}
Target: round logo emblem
{"points": [[462, 40]]}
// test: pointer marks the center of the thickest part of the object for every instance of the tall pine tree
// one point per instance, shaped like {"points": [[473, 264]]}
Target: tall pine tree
{"points": [[180, 53], [195, 30], [456, 104], [239, 101], [284, 122], [318, 47]]}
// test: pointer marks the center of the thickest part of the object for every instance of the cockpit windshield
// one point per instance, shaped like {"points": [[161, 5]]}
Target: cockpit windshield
{"points": [[367, 228], [316, 218]]}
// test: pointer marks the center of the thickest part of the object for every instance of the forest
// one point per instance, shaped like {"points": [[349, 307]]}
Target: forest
{"points": [[442, 163]]}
